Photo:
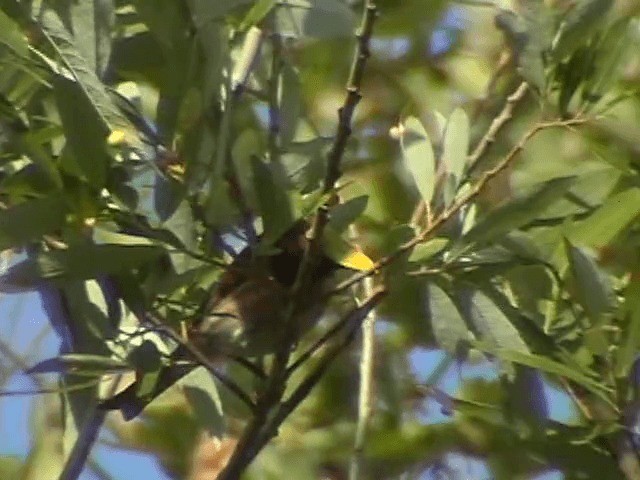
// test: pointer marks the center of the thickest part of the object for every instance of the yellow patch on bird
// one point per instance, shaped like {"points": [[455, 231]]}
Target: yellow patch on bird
{"points": [[116, 137], [343, 252], [357, 260]]}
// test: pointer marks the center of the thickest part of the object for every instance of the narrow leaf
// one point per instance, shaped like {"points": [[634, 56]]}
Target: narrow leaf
{"points": [[593, 289], [630, 339], [424, 251], [449, 328], [80, 364], [346, 213], [456, 144], [516, 213], [546, 364], [493, 326], [274, 203], [611, 218], [418, 157], [80, 262]]}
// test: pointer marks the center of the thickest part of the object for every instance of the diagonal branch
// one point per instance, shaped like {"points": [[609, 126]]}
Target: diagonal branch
{"points": [[455, 207]]}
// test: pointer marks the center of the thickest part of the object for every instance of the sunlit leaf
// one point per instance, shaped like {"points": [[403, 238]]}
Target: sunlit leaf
{"points": [[315, 18], [11, 36], [606, 222], [419, 157], [456, 144]]}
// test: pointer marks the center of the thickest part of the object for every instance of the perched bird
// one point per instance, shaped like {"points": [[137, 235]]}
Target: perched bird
{"points": [[247, 315]]}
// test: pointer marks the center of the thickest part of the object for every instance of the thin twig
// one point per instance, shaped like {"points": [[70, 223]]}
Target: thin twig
{"points": [[202, 359], [453, 209], [353, 321], [500, 121]]}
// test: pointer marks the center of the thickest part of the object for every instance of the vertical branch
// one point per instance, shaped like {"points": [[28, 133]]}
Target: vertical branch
{"points": [[275, 118], [365, 394], [334, 160], [270, 412]]}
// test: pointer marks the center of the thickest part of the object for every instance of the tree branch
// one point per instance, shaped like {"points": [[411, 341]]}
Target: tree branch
{"points": [[455, 207]]}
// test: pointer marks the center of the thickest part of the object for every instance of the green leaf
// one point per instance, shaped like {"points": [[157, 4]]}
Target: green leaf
{"points": [[274, 203], [514, 214], [630, 337], [546, 364], [315, 18], [419, 158], [593, 289], [256, 14], [424, 251], [492, 325], [12, 36], [85, 133], [612, 49], [346, 213], [290, 104], [81, 262], [76, 68], [615, 214], [202, 394], [582, 20], [456, 145], [449, 328], [80, 364], [28, 221]]}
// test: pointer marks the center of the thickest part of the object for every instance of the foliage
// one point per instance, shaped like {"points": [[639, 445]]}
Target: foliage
{"points": [[144, 141]]}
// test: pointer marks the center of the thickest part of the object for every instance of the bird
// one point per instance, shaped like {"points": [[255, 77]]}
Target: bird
{"points": [[247, 313]]}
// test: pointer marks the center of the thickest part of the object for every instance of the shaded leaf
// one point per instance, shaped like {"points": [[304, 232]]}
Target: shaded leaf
{"points": [[346, 213], [274, 203], [85, 132], [419, 157], [28, 221], [492, 325], [424, 251], [548, 365], [449, 328], [515, 214], [593, 289], [579, 23], [81, 262], [80, 364], [77, 69]]}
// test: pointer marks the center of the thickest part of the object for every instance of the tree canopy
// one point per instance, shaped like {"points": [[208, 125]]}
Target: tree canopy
{"points": [[469, 171]]}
